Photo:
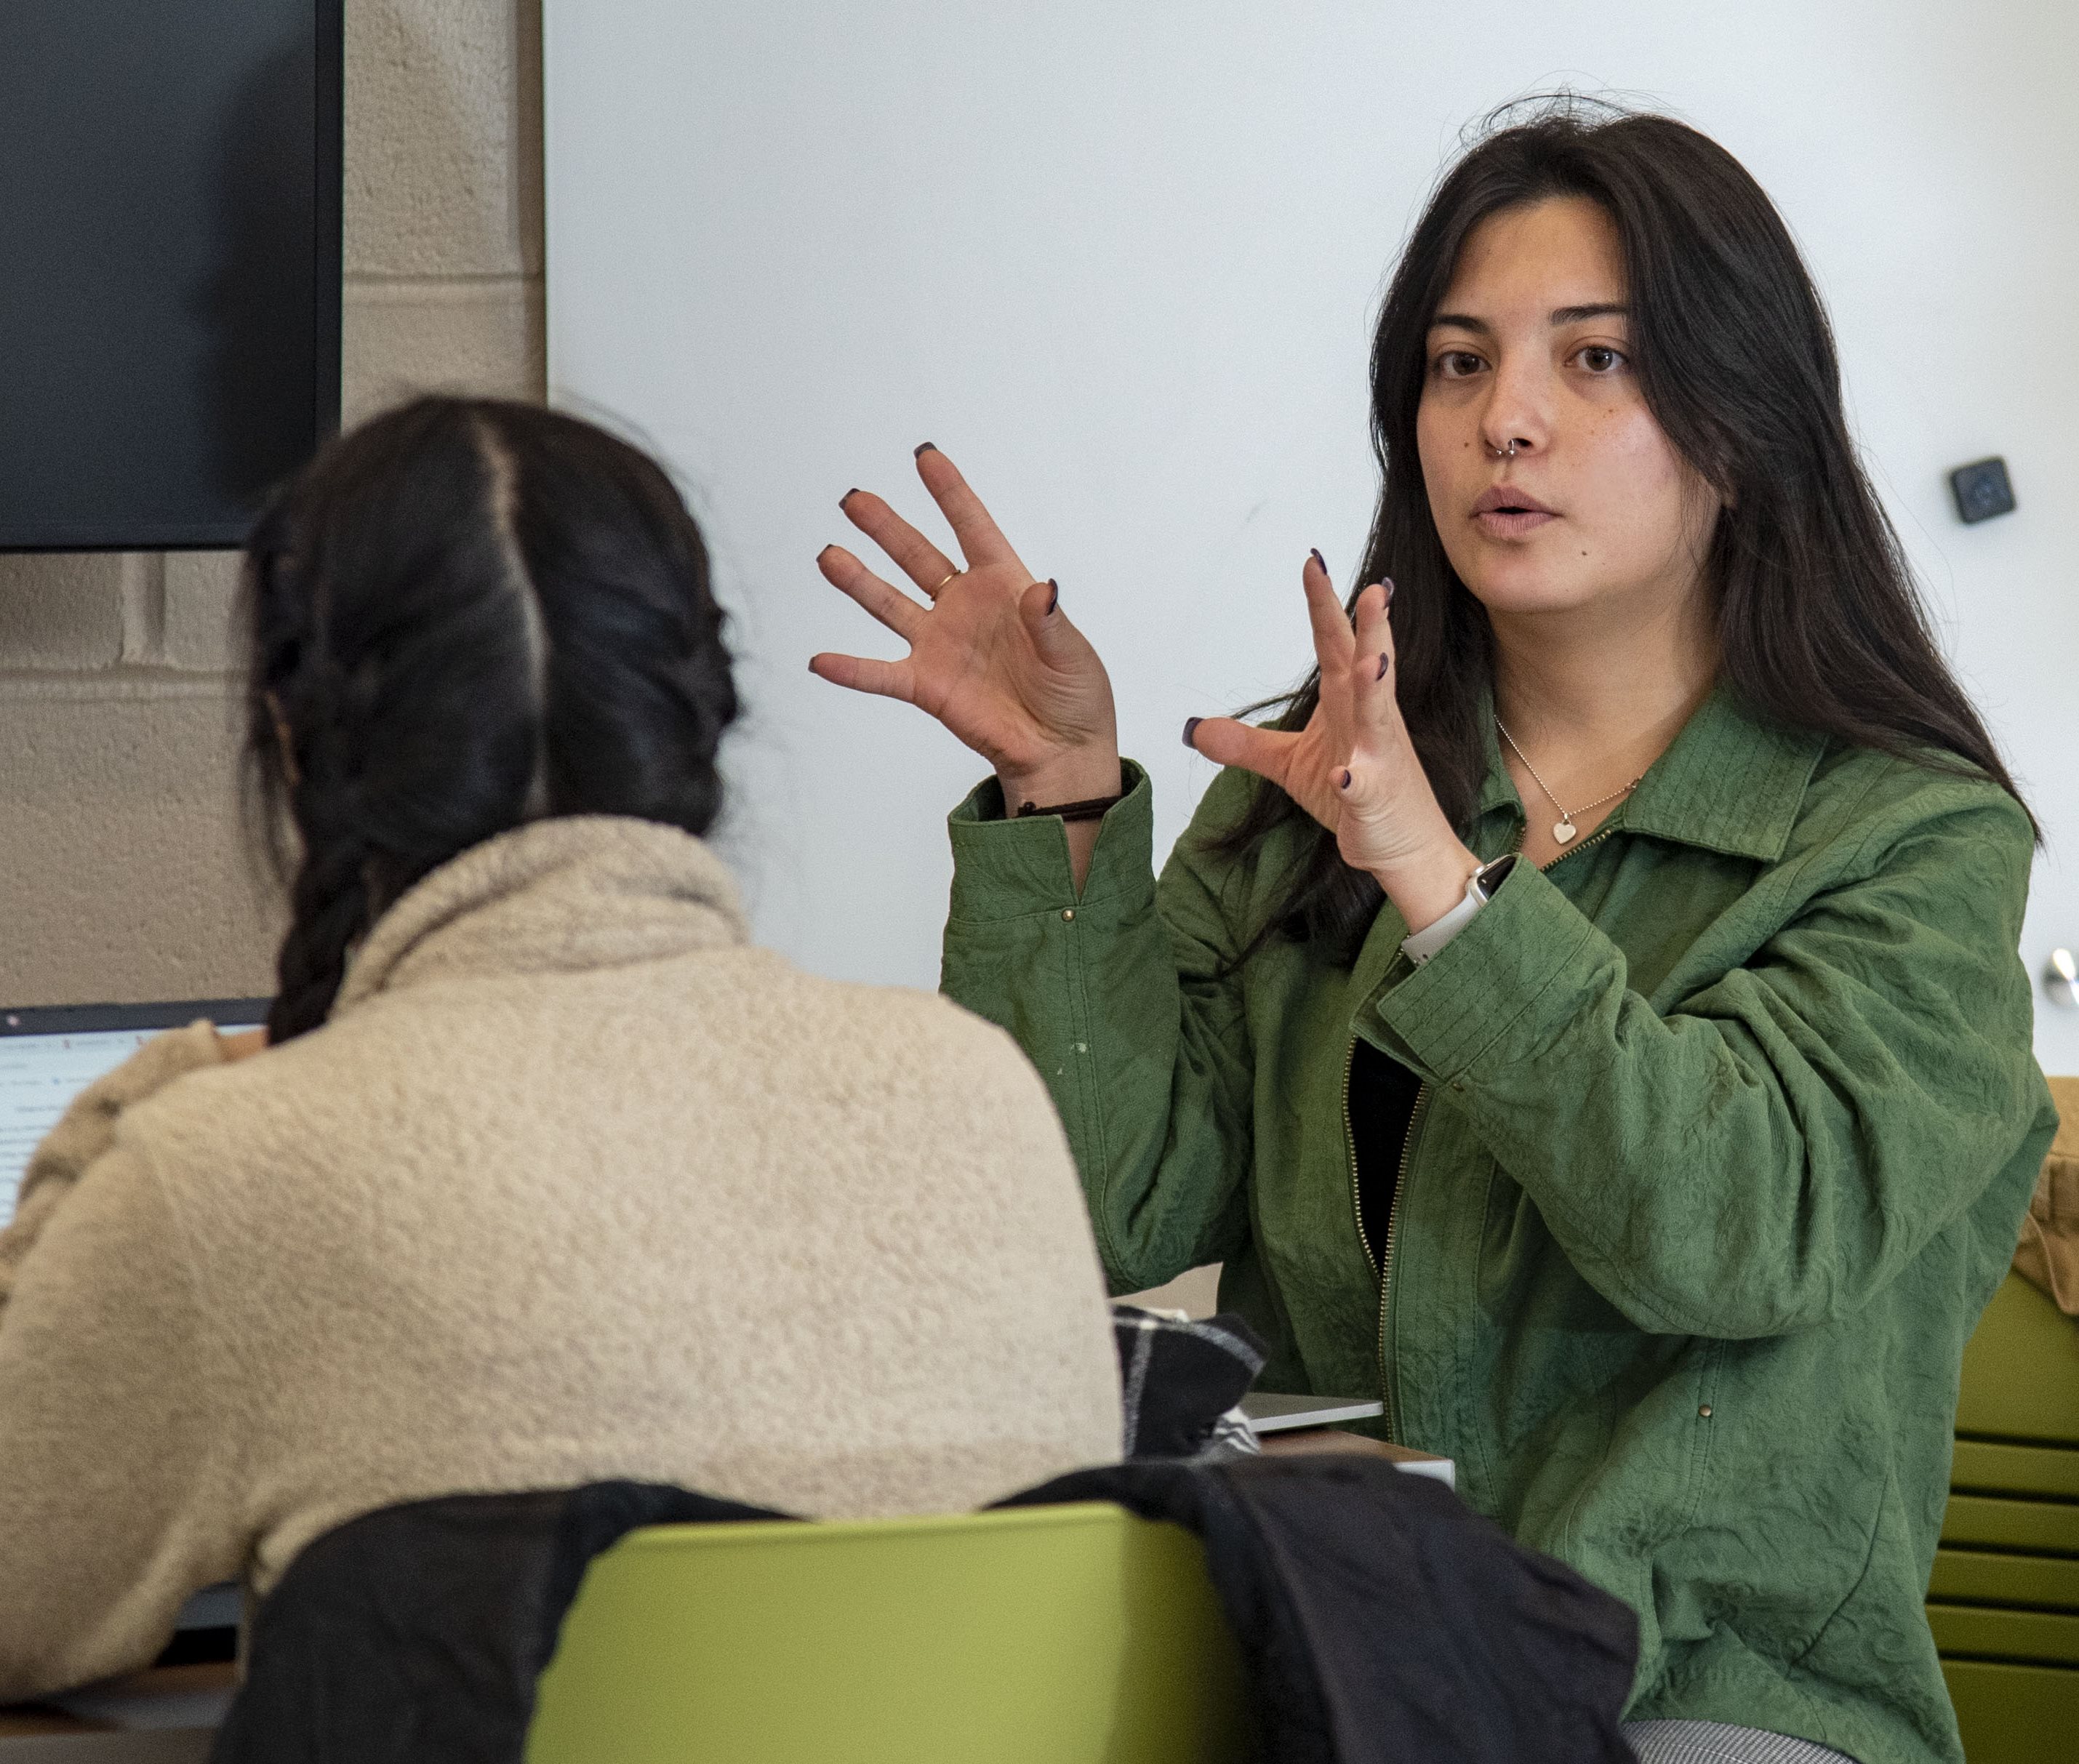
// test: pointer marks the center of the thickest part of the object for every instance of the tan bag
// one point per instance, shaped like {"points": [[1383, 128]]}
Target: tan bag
{"points": [[2048, 1255]]}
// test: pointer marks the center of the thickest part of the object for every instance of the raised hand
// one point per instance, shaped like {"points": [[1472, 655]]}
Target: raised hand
{"points": [[992, 655], [1352, 768]]}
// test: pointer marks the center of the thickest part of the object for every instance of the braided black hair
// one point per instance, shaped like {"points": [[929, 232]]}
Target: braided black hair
{"points": [[466, 615]]}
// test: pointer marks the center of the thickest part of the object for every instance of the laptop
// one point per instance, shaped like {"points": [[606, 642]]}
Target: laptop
{"points": [[1269, 1412], [48, 1054]]}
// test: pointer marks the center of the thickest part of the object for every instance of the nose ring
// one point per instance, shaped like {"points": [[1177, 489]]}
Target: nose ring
{"points": [[1504, 452]]}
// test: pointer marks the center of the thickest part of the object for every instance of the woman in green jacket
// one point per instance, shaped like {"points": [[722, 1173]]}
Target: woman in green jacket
{"points": [[1590, 1015]]}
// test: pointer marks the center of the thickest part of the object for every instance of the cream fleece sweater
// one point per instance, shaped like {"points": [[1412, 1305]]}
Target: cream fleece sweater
{"points": [[575, 1184]]}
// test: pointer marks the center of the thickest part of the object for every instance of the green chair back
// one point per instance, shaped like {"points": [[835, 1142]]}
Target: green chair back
{"points": [[2021, 1371], [2004, 1600], [1061, 1635]]}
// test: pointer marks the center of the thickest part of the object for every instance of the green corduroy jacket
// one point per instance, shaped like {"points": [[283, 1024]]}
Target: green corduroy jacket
{"points": [[1729, 1117]]}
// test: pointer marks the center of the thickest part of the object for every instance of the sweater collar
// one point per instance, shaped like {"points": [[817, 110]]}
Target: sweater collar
{"points": [[570, 894], [1727, 782]]}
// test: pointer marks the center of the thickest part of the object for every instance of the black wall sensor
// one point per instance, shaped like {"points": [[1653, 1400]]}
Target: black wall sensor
{"points": [[1982, 490]]}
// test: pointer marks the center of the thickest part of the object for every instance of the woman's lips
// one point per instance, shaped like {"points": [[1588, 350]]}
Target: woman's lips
{"points": [[1509, 512], [1511, 523]]}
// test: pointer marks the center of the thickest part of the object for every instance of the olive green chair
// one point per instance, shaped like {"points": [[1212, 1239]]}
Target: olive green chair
{"points": [[1061, 1635], [2004, 1600]]}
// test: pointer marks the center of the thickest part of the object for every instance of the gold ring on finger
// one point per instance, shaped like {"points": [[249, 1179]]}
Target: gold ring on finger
{"points": [[949, 576]]}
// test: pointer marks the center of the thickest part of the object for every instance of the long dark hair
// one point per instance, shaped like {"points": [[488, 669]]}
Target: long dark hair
{"points": [[464, 615], [1819, 625]]}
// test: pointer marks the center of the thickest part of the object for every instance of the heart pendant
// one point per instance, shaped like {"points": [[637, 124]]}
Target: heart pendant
{"points": [[1564, 832]]}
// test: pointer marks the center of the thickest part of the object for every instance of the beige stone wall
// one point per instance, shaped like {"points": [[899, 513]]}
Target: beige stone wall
{"points": [[124, 867]]}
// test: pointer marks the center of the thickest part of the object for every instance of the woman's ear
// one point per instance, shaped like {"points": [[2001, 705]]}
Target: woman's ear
{"points": [[284, 740]]}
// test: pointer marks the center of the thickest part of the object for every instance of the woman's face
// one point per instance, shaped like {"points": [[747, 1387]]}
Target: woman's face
{"points": [[1531, 344]]}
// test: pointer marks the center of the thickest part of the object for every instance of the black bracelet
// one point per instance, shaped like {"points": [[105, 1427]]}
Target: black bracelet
{"points": [[1092, 809]]}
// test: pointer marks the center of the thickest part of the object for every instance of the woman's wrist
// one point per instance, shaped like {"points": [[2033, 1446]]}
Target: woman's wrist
{"points": [[1078, 775], [1081, 775], [1428, 884]]}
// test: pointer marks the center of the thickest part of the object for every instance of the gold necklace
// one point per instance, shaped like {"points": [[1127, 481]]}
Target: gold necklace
{"points": [[1564, 832]]}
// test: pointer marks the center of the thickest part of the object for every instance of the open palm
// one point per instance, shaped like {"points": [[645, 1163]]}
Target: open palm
{"points": [[1352, 768], [992, 656]]}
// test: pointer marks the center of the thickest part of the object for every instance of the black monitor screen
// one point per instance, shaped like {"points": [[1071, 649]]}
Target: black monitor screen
{"points": [[169, 264]]}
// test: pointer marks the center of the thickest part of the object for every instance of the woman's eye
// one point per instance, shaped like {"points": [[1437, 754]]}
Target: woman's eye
{"points": [[1456, 364], [1598, 358]]}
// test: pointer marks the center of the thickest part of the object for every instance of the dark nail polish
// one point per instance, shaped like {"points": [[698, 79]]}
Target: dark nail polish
{"points": [[927, 448], [1342, 782], [1191, 728], [1381, 664], [1056, 600], [1318, 559], [825, 552], [849, 496], [1387, 583]]}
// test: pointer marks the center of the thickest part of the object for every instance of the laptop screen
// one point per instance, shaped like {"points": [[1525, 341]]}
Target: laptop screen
{"points": [[48, 1054]]}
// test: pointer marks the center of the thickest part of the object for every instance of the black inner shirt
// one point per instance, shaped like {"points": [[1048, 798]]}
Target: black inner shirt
{"points": [[1382, 1094]]}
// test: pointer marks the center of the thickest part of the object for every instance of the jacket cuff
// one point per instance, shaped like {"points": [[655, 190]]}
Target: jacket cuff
{"points": [[1491, 983], [1009, 869]]}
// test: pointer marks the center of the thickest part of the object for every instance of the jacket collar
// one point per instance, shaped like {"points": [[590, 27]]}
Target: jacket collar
{"points": [[1727, 782], [570, 894]]}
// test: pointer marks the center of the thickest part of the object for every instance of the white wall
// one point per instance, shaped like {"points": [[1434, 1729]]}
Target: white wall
{"points": [[1120, 261]]}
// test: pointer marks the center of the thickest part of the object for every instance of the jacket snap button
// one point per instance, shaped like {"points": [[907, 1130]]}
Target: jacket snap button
{"points": [[1706, 1412], [1068, 911]]}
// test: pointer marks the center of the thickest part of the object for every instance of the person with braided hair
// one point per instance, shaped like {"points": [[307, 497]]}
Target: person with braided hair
{"points": [[545, 1175]]}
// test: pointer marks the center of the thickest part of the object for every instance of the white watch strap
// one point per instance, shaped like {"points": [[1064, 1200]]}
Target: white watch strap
{"points": [[1426, 942]]}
